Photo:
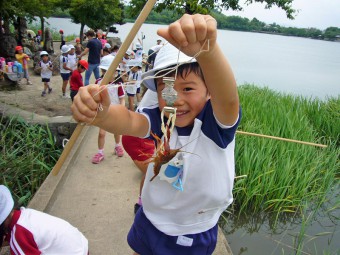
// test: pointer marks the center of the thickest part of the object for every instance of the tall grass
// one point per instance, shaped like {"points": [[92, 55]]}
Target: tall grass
{"points": [[280, 176], [28, 153]]}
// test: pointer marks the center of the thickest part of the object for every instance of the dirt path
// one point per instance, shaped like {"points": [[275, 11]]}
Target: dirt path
{"points": [[28, 97]]}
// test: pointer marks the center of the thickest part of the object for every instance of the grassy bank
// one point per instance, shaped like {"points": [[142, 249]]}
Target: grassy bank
{"points": [[28, 153], [281, 177]]}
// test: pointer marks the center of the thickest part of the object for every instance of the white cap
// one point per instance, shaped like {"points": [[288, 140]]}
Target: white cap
{"points": [[43, 53], [106, 61], [128, 52], [6, 203], [159, 39], [64, 49], [138, 46], [166, 57], [107, 45], [70, 47], [134, 62]]}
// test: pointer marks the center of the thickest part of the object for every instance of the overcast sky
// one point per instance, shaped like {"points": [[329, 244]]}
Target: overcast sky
{"points": [[312, 13]]}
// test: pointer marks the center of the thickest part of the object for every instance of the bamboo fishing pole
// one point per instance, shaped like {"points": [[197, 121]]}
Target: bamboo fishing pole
{"points": [[107, 77], [281, 139]]}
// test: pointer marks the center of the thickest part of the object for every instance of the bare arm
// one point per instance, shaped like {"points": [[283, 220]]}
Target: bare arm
{"points": [[116, 119], [190, 34], [84, 53]]}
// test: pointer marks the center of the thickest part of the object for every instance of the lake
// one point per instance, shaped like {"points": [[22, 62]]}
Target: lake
{"points": [[298, 66]]}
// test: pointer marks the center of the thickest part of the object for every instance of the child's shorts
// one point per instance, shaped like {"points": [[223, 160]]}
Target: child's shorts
{"points": [[138, 90], [139, 149], [45, 79], [65, 76], [145, 239], [130, 95]]}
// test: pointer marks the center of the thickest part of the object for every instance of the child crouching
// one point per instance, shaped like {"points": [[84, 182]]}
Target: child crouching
{"points": [[32, 232]]}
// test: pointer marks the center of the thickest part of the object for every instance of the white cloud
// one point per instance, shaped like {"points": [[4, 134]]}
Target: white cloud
{"points": [[311, 13]]}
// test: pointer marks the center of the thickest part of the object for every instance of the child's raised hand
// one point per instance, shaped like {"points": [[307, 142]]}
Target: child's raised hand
{"points": [[86, 102], [190, 32]]}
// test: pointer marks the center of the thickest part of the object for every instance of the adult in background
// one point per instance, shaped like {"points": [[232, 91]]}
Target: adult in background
{"points": [[94, 49], [152, 53]]}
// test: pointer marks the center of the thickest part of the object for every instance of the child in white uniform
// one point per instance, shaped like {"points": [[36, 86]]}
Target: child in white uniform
{"points": [[29, 231], [181, 217]]}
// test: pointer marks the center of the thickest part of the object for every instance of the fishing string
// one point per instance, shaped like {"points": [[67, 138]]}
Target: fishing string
{"points": [[157, 74]]}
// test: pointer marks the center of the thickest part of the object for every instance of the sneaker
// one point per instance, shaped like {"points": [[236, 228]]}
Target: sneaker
{"points": [[43, 93], [119, 151], [97, 158], [136, 208], [29, 83], [66, 96], [49, 90]]}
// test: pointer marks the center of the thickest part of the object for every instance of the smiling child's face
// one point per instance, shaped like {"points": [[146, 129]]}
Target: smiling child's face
{"points": [[192, 95]]}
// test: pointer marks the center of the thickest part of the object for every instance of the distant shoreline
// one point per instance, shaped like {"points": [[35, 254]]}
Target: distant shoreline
{"points": [[261, 32]]}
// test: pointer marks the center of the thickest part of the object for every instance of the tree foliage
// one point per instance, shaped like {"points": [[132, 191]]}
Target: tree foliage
{"points": [[96, 14], [205, 6]]}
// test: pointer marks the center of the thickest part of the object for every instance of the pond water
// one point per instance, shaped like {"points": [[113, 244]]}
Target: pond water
{"points": [[299, 66]]}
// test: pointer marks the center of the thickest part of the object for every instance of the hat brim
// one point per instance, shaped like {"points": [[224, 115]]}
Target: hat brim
{"points": [[167, 56], [6, 203]]}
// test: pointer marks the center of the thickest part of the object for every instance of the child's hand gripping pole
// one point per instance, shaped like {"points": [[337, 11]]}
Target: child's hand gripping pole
{"points": [[108, 75]]}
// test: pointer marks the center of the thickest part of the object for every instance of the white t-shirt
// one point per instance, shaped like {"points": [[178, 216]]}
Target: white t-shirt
{"points": [[45, 72], [51, 235], [208, 172], [72, 61], [62, 60]]}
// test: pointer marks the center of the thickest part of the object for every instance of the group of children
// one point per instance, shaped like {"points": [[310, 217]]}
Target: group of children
{"points": [[191, 189]]}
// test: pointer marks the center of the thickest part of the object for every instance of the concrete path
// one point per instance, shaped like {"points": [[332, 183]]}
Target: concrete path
{"points": [[97, 199]]}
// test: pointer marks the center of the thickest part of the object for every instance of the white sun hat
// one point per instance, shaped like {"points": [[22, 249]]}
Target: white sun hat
{"points": [[167, 56], [65, 49], [107, 45], [70, 47], [138, 46], [134, 62], [6, 203], [43, 53], [106, 61]]}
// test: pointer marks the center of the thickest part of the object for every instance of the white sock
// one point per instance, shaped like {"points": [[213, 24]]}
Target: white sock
{"points": [[101, 151]]}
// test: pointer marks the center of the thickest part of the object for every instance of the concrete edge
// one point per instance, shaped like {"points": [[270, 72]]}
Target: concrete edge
{"points": [[45, 195], [31, 117]]}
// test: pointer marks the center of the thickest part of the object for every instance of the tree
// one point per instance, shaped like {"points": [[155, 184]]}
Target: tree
{"points": [[42, 9], [205, 6], [96, 14]]}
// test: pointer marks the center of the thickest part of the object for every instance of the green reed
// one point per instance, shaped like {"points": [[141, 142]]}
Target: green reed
{"points": [[281, 176], [28, 153]]}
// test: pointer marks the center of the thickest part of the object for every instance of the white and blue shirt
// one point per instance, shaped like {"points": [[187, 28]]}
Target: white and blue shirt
{"points": [[207, 151]]}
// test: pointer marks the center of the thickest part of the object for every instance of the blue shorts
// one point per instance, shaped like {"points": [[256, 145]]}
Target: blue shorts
{"points": [[65, 76], [138, 90], [45, 79], [145, 239], [130, 95]]}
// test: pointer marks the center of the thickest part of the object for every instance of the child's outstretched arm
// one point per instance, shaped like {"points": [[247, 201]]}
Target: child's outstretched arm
{"points": [[115, 119], [190, 33]]}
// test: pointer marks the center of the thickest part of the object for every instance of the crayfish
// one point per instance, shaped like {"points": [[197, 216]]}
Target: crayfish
{"points": [[163, 153]]}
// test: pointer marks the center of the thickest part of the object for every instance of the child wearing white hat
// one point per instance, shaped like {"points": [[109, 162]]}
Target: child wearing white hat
{"points": [[72, 58], [32, 232], [183, 197], [65, 70], [135, 77]]}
